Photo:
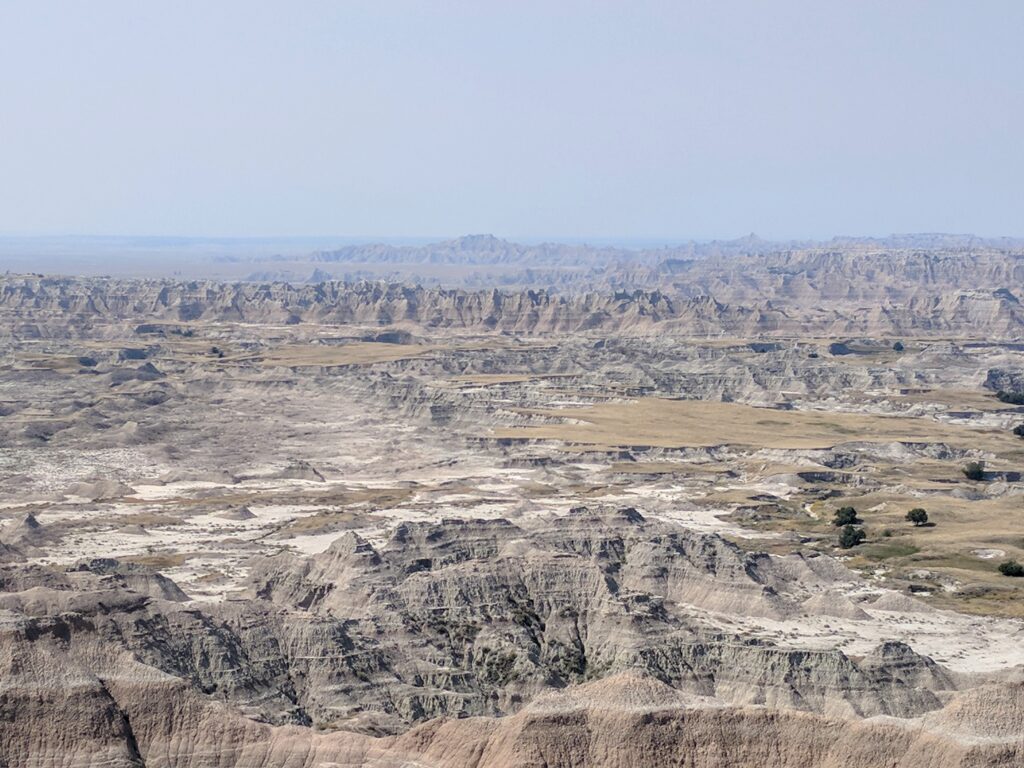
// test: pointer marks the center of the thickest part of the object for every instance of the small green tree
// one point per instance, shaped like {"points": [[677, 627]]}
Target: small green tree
{"points": [[845, 516], [917, 516], [974, 470], [1011, 568], [898, 346], [850, 537]]}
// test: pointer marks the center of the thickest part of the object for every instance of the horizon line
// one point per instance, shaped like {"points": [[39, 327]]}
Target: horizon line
{"points": [[522, 238]]}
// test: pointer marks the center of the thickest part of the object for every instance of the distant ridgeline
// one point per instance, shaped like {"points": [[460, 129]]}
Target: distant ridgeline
{"points": [[839, 293], [747, 270]]}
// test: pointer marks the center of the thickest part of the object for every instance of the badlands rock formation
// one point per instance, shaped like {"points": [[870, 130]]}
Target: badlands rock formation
{"points": [[41, 307], [270, 524], [103, 664]]}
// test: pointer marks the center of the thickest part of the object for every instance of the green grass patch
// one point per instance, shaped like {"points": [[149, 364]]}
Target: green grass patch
{"points": [[960, 562], [887, 550]]}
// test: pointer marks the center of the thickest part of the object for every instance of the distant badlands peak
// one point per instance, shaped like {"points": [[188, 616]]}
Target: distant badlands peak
{"points": [[480, 243]]}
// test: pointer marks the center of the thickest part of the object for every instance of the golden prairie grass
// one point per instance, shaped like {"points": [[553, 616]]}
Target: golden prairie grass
{"points": [[665, 423]]}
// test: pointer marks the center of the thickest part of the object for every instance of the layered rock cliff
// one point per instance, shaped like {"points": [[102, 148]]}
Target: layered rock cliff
{"points": [[38, 307], [574, 642]]}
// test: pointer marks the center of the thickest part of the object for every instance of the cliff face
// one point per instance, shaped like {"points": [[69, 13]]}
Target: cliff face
{"points": [[572, 644], [626, 721], [85, 300], [118, 712], [43, 306]]}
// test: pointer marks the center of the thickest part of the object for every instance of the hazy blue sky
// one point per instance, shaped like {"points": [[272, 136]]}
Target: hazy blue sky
{"points": [[573, 119]]}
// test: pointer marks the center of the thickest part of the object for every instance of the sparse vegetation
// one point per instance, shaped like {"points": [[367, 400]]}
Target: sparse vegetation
{"points": [[567, 661], [664, 423], [498, 667], [887, 550], [850, 537], [159, 559], [1011, 568], [974, 470], [917, 516], [845, 516]]}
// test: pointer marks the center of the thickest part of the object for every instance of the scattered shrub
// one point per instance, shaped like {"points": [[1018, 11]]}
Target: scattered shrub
{"points": [[1019, 430], [917, 516], [845, 516], [898, 346], [1013, 398], [974, 470], [1011, 568], [850, 537]]}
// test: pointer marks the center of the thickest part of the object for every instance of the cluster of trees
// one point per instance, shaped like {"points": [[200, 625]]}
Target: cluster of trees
{"points": [[1011, 397], [850, 535]]}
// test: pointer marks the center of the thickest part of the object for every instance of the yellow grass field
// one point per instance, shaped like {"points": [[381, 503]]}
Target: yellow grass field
{"points": [[698, 423]]}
